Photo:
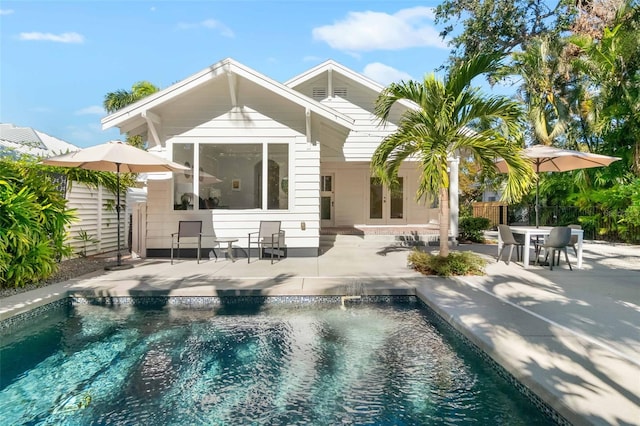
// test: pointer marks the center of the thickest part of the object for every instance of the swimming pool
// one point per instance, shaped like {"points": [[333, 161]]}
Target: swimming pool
{"points": [[271, 364]]}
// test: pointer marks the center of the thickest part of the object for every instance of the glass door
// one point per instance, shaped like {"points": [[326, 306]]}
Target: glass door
{"points": [[386, 205], [327, 206]]}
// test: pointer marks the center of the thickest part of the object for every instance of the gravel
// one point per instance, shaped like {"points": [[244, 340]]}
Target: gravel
{"points": [[67, 269]]}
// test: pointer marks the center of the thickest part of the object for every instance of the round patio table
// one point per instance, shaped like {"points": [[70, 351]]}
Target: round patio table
{"points": [[228, 249]]}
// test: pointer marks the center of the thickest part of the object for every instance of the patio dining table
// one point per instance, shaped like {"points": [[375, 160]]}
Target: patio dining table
{"points": [[543, 231]]}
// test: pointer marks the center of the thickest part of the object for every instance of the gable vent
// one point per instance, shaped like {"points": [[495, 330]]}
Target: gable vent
{"points": [[340, 91], [319, 92]]}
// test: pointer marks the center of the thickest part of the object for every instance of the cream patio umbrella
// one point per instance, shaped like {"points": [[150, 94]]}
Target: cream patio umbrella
{"points": [[550, 159], [115, 156]]}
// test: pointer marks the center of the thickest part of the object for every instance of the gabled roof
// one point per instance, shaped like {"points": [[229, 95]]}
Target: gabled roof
{"points": [[222, 69], [26, 140], [333, 66]]}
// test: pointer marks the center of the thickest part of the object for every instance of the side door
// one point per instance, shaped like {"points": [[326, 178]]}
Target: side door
{"points": [[327, 200]]}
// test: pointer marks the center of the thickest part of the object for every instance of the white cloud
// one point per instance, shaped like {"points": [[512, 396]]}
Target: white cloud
{"points": [[384, 74], [58, 38], [6, 11], [366, 31], [211, 24], [418, 13], [93, 109]]}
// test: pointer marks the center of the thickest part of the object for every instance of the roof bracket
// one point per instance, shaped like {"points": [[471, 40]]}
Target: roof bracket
{"points": [[233, 88], [152, 119]]}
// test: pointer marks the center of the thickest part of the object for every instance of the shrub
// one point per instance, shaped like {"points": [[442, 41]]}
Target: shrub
{"points": [[33, 217], [457, 263], [470, 228]]}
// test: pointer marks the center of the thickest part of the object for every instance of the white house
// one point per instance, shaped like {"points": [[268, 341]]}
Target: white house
{"points": [[297, 152]]}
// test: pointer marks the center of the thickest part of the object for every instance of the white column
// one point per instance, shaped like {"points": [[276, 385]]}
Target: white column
{"points": [[454, 209]]}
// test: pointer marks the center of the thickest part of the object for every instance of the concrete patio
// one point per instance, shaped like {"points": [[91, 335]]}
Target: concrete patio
{"points": [[572, 337]]}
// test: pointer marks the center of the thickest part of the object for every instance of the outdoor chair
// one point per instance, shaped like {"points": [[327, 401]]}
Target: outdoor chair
{"points": [[558, 240], [269, 237], [187, 229], [574, 238], [508, 240]]}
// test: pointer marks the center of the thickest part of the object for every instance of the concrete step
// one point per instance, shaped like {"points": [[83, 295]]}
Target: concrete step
{"points": [[356, 240]]}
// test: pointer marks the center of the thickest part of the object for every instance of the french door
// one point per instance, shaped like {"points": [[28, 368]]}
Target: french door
{"points": [[387, 206]]}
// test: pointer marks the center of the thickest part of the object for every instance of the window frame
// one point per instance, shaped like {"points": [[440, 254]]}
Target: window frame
{"points": [[196, 145]]}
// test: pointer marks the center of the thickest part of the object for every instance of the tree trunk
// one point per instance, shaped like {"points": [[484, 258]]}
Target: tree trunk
{"points": [[444, 222]]}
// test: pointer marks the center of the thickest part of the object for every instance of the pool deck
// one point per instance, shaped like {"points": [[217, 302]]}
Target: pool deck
{"points": [[572, 337]]}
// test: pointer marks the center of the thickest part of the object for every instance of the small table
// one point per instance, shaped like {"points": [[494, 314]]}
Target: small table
{"points": [[228, 249], [531, 231]]}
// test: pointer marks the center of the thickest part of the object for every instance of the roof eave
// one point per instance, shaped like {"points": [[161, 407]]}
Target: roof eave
{"points": [[225, 66]]}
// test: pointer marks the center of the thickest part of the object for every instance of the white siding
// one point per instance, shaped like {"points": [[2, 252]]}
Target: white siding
{"points": [[249, 126], [351, 194]]}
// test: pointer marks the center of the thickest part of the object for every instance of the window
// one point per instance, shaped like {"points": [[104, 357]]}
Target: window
{"points": [[278, 177], [183, 181], [326, 184], [231, 176]]}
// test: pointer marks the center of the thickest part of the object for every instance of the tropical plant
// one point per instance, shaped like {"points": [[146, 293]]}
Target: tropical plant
{"points": [[543, 71], [86, 239], [611, 63], [471, 228], [457, 263], [113, 101], [451, 116], [33, 220]]}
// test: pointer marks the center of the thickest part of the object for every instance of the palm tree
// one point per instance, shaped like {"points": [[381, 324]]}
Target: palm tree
{"points": [[544, 72], [612, 64], [119, 99], [451, 117]]}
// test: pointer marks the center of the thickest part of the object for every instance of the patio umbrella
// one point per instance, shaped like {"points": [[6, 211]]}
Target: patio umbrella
{"points": [[115, 156], [549, 159]]}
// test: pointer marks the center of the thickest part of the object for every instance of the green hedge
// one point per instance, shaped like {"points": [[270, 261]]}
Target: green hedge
{"points": [[33, 220], [470, 228]]}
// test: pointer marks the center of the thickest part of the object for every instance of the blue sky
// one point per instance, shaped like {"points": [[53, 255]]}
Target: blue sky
{"points": [[58, 59]]}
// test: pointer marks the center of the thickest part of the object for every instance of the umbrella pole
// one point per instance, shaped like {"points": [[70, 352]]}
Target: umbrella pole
{"points": [[118, 264], [118, 255], [537, 207]]}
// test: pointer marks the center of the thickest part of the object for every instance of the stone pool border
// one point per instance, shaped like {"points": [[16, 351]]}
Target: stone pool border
{"points": [[432, 314]]}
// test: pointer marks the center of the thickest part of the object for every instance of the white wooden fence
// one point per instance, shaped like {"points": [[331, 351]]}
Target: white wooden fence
{"points": [[97, 217]]}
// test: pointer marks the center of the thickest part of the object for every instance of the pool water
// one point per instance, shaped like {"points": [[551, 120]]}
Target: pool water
{"points": [[378, 364]]}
